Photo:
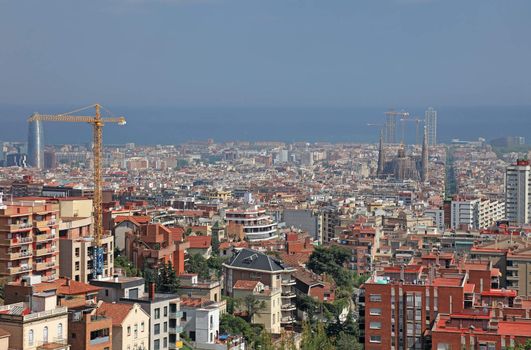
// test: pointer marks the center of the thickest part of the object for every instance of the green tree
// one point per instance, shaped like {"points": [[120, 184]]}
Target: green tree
{"points": [[238, 326], [346, 341], [252, 306], [264, 341], [167, 281], [309, 305], [198, 264], [315, 340], [331, 261], [215, 263]]}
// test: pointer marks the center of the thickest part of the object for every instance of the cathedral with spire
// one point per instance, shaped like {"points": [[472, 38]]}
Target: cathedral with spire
{"points": [[403, 166]]}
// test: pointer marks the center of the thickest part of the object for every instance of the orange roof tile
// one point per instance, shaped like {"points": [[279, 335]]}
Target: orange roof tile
{"points": [[116, 311], [200, 242], [245, 284]]}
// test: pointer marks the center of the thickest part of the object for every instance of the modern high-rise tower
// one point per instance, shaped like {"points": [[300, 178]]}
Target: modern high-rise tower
{"points": [[430, 121], [35, 144], [517, 194]]}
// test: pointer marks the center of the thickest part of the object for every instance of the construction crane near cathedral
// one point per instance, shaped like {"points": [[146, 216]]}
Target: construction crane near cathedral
{"points": [[417, 131], [97, 123], [390, 124]]}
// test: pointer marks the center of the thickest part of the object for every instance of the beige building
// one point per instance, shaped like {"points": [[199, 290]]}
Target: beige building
{"points": [[76, 243], [519, 270], [130, 325], [268, 302], [74, 207], [39, 325]]}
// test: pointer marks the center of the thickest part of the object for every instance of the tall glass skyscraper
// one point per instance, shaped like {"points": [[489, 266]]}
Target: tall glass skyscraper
{"points": [[430, 120], [35, 144]]}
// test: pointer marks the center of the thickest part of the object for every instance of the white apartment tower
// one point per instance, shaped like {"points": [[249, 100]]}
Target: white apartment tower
{"points": [[430, 120], [517, 195]]}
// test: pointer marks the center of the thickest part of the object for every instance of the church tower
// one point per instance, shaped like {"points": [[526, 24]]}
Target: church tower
{"points": [[381, 156], [424, 161]]}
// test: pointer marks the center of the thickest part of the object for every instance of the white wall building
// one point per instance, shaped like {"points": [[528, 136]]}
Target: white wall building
{"points": [[517, 195]]}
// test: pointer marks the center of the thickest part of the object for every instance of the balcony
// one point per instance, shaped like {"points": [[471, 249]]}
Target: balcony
{"points": [[99, 340], [176, 314], [287, 320], [44, 237], [16, 256], [16, 241], [175, 330], [19, 269], [289, 282], [17, 226], [56, 344], [44, 251], [288, 295], [288, 307], [40, 224]]}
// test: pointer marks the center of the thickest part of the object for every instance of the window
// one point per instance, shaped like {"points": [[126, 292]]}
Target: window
{"points": [[45, 334], [106, 292], [443, 346], [157, 313], [157, 344], [375, 297], [77, 252], [375, 311], [136, 330], [165, 311], [375, 325], [77, 265], [128, 331], [157, 328], [30, 337], [165, 327], [60, 331], [142, 327], [184, 317], [165, 343], [376, 339]]}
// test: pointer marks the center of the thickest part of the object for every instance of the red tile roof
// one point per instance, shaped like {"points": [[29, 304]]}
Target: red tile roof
{"points": [[245, 284], [200, 242], [65, 286], [117, 311]]}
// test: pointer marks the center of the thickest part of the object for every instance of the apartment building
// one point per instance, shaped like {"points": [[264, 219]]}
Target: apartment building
{"points": [[200, 321], [511, 256], [396, 313], [478, 330], [162, 309], [469, 214], [517, 192], [269, 302], [28, 239], [87, 329], [251, 265], [254, 222], [36, 325], [130, 325]]}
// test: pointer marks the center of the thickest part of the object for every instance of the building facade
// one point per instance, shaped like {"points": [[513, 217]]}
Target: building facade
{"points": [[517, 194]]}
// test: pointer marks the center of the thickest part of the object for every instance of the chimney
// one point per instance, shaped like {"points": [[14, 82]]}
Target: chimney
{"points": [[68, 282], [152, 291], [402, 273]]}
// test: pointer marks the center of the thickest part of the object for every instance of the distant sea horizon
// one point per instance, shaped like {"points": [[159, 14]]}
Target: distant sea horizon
{"points": [[177, 125]]}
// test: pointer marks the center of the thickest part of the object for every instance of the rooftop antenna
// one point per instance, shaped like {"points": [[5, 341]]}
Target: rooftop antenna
{"points": [[2, 205]]}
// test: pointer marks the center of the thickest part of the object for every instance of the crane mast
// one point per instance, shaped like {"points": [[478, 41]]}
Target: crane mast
{"points": [[97, 123]]}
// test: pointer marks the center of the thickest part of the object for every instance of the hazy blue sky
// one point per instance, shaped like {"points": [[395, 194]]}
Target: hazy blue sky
{"points": [[266, 53]]}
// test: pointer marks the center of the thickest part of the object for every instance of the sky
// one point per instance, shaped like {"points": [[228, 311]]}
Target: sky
{"points": [[265, 52]]}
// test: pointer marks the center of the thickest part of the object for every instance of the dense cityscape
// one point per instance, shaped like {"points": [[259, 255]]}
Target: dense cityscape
{"points": [[266, 245]]}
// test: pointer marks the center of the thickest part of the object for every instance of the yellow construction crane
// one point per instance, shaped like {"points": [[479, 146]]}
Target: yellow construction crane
{"points": [[97, 123]]}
